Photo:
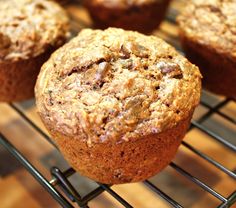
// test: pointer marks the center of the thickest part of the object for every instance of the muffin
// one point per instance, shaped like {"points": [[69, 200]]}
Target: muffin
{"points": [[208, 36], [140, 15], [29, 32], [62, 1], [117, 103]]}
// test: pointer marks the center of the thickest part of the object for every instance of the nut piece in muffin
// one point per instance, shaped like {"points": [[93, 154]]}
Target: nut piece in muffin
{"points": [[29, 32], [140, 15], [117, 103], [208, 36]]}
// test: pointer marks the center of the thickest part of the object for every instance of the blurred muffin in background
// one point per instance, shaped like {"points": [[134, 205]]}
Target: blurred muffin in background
{"points": [[30, 30], [208, 36], [140, 15]]}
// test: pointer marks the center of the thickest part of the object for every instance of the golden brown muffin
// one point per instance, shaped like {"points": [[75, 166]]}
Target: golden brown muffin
{"points": [[208, 35], [140, 15], [117, 103], [29, 32]]}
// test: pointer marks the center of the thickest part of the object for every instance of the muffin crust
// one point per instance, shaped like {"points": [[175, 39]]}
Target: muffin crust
{"points": [[116, 85]]}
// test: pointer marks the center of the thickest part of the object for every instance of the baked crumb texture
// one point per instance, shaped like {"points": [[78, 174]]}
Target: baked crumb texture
{"points": [[208, 35], [139, 15], [114, 96], [29, 32]]}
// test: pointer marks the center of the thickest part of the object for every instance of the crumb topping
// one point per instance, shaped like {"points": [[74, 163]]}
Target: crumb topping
{"points": [[116, 85]]}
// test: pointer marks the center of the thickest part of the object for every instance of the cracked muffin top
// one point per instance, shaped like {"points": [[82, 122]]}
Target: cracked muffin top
{"points": [[116, 85], [30, 27], [121, 3], [211, 23]]}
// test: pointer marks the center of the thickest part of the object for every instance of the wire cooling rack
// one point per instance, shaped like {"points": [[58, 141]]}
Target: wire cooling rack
{"points": [[64, 191]]}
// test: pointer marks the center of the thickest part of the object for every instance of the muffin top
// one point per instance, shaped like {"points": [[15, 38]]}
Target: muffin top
{"points": [[30, 27], [116, 85], [211, 23], [121, 3]]}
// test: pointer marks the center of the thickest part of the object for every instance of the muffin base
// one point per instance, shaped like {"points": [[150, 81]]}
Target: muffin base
{"points": [[18, 78], [117, 163], [218, 70], [144, 18]]}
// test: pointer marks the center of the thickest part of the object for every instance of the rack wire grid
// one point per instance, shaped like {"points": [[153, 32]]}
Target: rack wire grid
{"points": [[64, 192]]}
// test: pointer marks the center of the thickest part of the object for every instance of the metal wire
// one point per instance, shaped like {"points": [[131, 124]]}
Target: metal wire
{"points": [[34, 172], [60, 178], [66, 173], [210, 160], [162, 194], [197, 181], [115, 195], [31, 123], [214, 136], [213, 110], [67, 187], [230, 119], [230, 201]]}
